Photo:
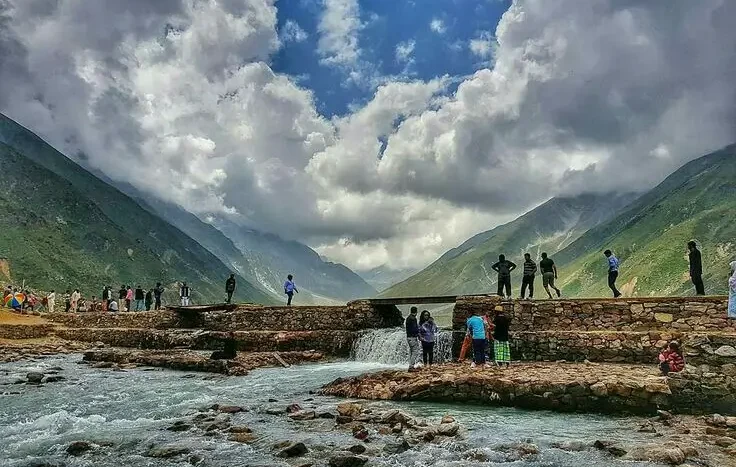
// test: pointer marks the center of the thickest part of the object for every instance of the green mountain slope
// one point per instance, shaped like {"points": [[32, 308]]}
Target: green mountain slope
{"points": [[697, 202], [549, 227], [64, 228]]}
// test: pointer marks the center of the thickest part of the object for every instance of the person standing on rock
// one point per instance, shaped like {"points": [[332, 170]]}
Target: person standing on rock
{"points": [[184, 294], [121, 298], [128, 298], [732, 291], [74, 300], [230, 287], [412, 337], [50, 300], [290, 289], [527, 280], [477, 330], [696, 267], [157, 293], [427, 336], [613, 264], [504, 268], [501, 346], [140, 299], [106, 295], [67, 301], [549, 274]]}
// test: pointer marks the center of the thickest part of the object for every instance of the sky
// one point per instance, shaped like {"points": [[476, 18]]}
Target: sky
{"points": [[381, 133]]}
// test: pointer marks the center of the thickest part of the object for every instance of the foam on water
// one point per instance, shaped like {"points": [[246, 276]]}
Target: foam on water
{"points": [[389, 346]]}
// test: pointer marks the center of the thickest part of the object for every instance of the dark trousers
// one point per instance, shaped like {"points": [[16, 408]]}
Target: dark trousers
{"points": [[127, 305], [158, 303], [504, 282], [290, 295], [612, 276], [427, 352], [527, 281], [699, 286], [229, 296], [479, 351], [664, 367]]}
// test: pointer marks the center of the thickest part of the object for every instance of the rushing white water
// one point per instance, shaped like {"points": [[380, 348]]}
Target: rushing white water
{"points": [[127, 412], [389, 346]]}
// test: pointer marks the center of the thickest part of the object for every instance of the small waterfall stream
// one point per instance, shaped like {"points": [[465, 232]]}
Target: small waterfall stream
{"points": [[389, 346]]}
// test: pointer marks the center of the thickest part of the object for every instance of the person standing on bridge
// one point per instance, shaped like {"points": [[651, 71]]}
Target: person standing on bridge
{"points": [[549, 274], [696, 267], [504, 268], [613, 264], [184, 294], [230, 287], [412, 337], [527, 280], [290, 289]]}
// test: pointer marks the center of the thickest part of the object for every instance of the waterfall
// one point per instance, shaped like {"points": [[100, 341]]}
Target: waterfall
{"points": [[389, 346]]}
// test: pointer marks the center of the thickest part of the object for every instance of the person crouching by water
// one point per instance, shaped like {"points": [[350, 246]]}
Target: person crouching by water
{"points": [[477, 330], [671, 360], [427, 335], [501, 347], [290, 289], [412, 337]]}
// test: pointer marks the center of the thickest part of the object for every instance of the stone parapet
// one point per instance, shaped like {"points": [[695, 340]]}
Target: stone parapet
{"points": [[25, 331], [630, 314]]}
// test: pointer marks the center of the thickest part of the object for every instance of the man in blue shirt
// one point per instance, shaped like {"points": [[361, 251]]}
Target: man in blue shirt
{"points": [[290, 288], [612, 272], [477, 330]]}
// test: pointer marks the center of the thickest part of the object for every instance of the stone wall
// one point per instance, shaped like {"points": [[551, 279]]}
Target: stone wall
{"points": [[25, 331], [355, 316]]}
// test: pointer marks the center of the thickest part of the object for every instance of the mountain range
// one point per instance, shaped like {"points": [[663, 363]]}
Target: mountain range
{"points": [[91, 231], [648, 232]]}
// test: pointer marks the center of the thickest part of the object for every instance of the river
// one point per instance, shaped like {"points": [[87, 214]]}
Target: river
{"points": [[129, 410]]}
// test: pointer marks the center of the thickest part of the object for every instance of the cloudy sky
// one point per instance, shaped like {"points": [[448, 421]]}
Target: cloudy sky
{"points": [[378, 132]]}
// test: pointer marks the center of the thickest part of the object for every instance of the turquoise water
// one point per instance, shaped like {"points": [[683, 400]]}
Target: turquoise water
{"points": [[130, 410]]}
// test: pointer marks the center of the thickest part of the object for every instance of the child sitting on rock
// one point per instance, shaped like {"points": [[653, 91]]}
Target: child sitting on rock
{"points": [[671, 360]]}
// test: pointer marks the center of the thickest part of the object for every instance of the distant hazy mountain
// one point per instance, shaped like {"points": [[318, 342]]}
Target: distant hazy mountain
{"points": [[62, 227], [383, 277], [696, 202], [549, 227]]}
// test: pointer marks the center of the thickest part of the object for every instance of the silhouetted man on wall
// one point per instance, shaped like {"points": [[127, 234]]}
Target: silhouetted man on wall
{"points": [[696, 268], [612, 272], [230, 287], [504, 268], [527, 280]]}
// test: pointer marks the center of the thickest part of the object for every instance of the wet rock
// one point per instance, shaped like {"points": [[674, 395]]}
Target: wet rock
{"points": [[357, 449], [711, 430], [350, 409], [347, 460], [239, 429], [401, 445], [53, 379], [716, 420], [647, 427], [343, 419], [664, 454], [571, 446], [166, 452], [77, 448], [195, 460], [360, 434], [448, 429], [34, 377], [179, 426], [242, 437], [293, 408], [273, 400], [664, 415], [527, 449], [293, 450], [303, 415], [275, 410], [610, 448], [448, 419], [725, 441], [230, 409], [327, 415]]}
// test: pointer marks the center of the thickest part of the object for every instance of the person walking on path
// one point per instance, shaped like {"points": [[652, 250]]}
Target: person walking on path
{"points": [[612, 272], [129, 299], [74, 300], [149, 299], [427, 335], [527, 280], [184, 294], [501, 347], [140, 299], [230, 287], [549, 274], [504, 268], [157, 292], [50, 300], [412, 337], [696, 267], [477, 331], [290, 289], [732, 292]]}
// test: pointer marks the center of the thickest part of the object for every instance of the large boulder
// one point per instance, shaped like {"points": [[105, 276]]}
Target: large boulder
{"points": [[347, 459], [663, 454], [293, 450]]}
